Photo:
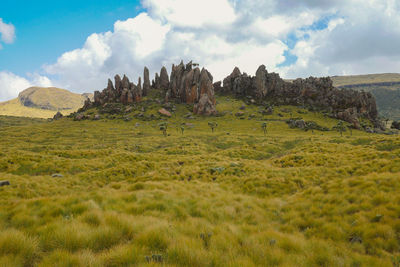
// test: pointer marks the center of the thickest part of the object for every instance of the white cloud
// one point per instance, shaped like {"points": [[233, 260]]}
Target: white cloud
{"points": [[333, 37], [7, 32], [194, 14], [103, 55], [364, 39], [11, 85], [279, 26]]}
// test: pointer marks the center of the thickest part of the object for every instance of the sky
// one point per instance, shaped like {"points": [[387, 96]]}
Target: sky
{"points": [[78, 45]]}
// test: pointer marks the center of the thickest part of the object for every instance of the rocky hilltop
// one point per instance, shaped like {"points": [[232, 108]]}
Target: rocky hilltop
{"points": [[318, 93], [188, 84]]}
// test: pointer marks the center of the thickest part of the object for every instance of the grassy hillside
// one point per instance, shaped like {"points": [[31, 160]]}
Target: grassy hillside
{"points": [[365, 79], [15, 108], [129, 196], [39, 102]]}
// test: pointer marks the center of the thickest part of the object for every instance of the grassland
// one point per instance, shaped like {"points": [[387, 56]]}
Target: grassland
{"points": [[15, 108], [129, 196]]}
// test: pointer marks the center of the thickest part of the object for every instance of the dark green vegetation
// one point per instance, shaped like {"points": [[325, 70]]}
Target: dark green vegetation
{"points": [[130, 196]]}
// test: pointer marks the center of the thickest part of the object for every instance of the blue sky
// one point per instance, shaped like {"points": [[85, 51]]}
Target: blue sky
{"points": [[78, 45], [46, 29]]}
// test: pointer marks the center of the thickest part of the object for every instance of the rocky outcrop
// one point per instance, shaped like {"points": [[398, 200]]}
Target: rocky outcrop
{"points": [[164, 79], [146, 81], [319, 93], [124, 92], [187, 85], [193, 86]]}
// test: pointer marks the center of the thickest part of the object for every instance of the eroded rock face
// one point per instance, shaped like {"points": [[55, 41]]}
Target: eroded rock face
{"points": [[187, 84], [146, 81], [192, 86], [124, 92], [164, 79], [347, 105]]}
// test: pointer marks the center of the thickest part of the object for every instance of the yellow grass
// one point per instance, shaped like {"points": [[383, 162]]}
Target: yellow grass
{"points": [[131, 197]]}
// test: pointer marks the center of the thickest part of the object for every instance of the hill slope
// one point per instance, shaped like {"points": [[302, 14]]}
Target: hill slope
{"points": [[384, 87], [41, 102], [129, 196]]}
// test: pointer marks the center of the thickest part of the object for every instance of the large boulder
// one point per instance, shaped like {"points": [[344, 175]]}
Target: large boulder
{"points": [[3, 183], [205, 106], [395, 125], [164, 112]]}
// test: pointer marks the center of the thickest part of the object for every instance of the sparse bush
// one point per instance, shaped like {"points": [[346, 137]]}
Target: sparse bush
{"points": [[213, 125], [340, 127], [264, 127]]}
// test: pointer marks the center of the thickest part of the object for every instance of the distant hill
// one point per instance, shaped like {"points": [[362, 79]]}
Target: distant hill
{"points": [[351, 80], [385, 87], [41, 102]]}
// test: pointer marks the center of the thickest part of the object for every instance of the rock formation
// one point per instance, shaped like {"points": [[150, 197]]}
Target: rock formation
{"points": [[164, 79], [146, 81], [347, 105], [193, 86], [188, 84], [124, 92]]}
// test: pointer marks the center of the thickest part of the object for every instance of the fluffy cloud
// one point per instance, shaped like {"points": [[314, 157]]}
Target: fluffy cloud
{"points": [[11, 85], [363, 39], [7, 32], [193, 14], [325, 37], [171, 31]]}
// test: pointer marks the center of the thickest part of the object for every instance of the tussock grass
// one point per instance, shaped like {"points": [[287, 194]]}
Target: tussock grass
{"points": [[129, 196]]}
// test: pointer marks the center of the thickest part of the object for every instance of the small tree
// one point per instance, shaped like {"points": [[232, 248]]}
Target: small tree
{"points": [[213, 125], [350, 127], [163, 127], [340, 127], [264, 127]]}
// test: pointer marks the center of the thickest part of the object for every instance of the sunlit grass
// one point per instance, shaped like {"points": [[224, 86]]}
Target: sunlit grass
{"points": [[129, 196]]}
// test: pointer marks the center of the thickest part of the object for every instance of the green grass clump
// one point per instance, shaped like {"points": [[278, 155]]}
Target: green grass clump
{"points": [[130, 196]]}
